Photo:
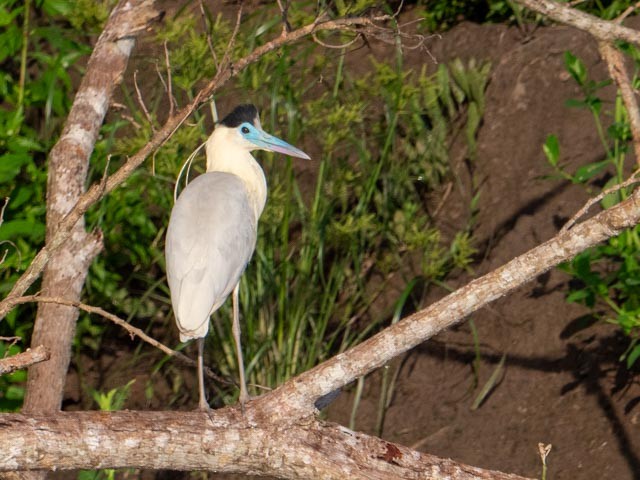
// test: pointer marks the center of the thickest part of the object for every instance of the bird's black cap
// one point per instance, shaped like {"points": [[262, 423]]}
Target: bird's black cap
{"points": [[240, 115]]}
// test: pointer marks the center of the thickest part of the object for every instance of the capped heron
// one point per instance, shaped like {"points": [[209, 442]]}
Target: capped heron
{"points": [[212, 231]]}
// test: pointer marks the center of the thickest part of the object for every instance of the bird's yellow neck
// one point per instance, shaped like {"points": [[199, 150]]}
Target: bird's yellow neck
{"points": [[226, 155]]}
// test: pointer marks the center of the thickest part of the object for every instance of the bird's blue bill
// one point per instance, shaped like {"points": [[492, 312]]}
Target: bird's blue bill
{"points": [[263, 140]]}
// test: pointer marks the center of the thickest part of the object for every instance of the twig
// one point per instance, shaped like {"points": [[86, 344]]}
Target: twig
{"points": [[133, 331], [95, 192], [626, 13], [284, 9], [205, 22], [141, 101], [630, 181], [6, 202], [337, 47], [169, 85], [615, 63], [6, 252], [13, 341], [226, 59], [129, 118], [23, 360]]}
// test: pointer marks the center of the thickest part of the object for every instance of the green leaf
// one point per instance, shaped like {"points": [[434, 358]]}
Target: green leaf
{"points": [[10, 164], [575, 103], [613, 198], [586, 172], [551, 149], [594, 104], [576, 68], [8, 17], [13, 229], [14, 392], [633, 356], [578, 295], [57, 7]]}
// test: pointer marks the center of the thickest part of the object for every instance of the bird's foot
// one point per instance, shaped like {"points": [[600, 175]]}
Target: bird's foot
{"points": [[203, 405], [244, 399]]}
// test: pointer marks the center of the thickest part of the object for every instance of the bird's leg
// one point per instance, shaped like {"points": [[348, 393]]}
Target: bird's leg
{"points": [[202, 404], [244, 395]]}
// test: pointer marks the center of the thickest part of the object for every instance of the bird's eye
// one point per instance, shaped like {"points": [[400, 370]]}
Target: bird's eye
{"points": [[245, 130]]}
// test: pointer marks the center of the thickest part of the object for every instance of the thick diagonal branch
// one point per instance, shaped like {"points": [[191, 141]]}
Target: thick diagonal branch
{"points": [[296, 397]]}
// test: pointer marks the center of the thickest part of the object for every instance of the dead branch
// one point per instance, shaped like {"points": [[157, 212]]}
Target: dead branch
{"points": [[97, 191], [221, 442], [615, 63], [24, 359], [600, 29], [146, 113], [133, 331], [592, 201]]}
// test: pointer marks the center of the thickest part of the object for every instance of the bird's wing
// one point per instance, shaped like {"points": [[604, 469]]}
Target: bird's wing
{"points": [[210, 239]]}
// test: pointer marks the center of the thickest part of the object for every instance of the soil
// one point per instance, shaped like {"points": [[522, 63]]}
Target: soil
{"points": [[562, 383]]}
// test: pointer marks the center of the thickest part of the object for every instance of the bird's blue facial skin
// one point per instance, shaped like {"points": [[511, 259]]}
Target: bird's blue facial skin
{"points": [[264, 141]]}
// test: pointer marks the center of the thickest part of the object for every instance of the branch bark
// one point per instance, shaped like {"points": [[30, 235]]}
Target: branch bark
{"points": [[276, 434], [279, 426], [68, 165], [617, 70], [24, 359], [221, 441], [600, 29]]}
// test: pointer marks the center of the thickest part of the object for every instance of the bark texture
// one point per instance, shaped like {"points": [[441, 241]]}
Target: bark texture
{"points": [[220, 441], [68, 166], [22, 360]]}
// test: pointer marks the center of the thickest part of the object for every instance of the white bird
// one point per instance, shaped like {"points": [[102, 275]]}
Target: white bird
{"points": [[212, 231]]}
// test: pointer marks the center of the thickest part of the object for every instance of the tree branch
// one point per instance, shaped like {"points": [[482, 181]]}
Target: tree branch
{"points": [[221, 442], [615, 63], [600, 29], [296, 397], [133, 331], [24, 359], [68, 164]]}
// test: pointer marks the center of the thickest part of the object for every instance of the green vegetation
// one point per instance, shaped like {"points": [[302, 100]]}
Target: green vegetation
{"points": [[610, 273], [33, 108]]}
